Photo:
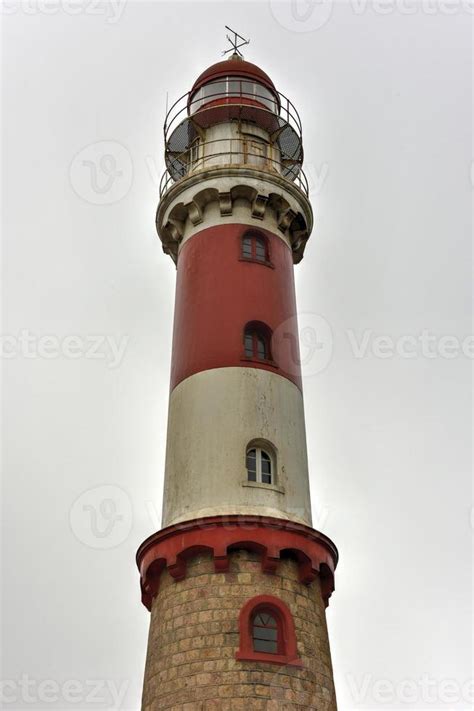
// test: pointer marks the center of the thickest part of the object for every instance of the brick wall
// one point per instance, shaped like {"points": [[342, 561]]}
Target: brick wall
{"points": [[194, 635]]}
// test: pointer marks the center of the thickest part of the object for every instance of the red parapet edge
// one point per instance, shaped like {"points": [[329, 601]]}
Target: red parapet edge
{"points": [[173, 546]]}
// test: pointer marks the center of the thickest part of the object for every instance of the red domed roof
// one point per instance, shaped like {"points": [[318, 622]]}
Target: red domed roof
{"points": [[235, 66]]}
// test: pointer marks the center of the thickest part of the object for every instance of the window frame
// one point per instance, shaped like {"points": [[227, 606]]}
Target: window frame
{"points": [[259, 612], [258, 341], [259, 332], [195, 153], [251, 145], [287, 644], [255, 237], [259, 450]]}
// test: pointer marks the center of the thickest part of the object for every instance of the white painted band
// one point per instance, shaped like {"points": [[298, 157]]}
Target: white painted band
{"points": [[213, 415]]}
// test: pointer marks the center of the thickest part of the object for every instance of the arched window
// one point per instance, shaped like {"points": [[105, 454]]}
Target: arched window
{"points": [[257, 341], [259, 465], [255, 248], [267, 632]]}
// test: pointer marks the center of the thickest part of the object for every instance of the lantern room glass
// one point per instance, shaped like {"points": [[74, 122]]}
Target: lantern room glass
{"points": [[233, 87]]}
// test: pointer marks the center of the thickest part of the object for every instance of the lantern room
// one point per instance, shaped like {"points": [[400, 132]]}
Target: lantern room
{"points": [[233, 116], [234, 81]]}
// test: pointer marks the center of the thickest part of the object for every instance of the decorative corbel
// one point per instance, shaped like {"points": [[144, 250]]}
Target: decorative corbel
{"points": [[225, 204], [259, 206], [175, 230], [285, 219], [194, 212]]}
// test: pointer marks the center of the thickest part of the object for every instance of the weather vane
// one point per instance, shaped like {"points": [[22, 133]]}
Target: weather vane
{"points": [[235, 42]]}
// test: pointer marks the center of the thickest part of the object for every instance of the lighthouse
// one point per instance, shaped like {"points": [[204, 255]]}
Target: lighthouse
{"points": [[237, 581]]}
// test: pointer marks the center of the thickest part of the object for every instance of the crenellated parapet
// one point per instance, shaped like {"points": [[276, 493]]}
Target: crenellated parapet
{"points": [[272, 539]]}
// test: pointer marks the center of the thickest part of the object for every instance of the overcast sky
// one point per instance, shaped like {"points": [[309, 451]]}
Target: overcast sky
{"points": [[384, 93]]}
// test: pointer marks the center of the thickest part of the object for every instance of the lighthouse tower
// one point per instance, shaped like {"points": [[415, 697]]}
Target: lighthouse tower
{"points": [[237, 581]]}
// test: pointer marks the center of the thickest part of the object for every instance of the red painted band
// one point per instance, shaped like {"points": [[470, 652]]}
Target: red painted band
{"points": [[270, 537], [218, 293], [228, 108]]}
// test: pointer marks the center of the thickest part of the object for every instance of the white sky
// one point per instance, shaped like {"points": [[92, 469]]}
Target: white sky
{"points": [[384, 92]]}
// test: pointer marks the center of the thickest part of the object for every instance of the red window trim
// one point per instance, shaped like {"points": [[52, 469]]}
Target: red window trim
{"points": [[287, 634], [262, 361], [253, 260]]}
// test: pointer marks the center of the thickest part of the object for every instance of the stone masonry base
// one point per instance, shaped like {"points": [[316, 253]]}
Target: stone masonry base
{"points": [[194, 637]]}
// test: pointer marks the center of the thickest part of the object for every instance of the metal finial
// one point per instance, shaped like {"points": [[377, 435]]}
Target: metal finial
{"points": [[235, 42]]}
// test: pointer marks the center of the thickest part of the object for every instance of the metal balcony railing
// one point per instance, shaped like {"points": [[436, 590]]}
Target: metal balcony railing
{"points": [[231, 152], [234, 100]]}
